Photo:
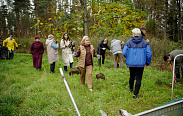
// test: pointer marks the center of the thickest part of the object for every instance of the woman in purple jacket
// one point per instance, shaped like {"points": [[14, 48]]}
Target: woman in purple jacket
{"points": [[37, 50]]}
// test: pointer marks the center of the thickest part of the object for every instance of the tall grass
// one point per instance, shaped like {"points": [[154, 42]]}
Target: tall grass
{"points": [[26, 91]]}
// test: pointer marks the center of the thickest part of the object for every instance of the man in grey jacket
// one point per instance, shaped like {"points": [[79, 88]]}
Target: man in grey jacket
{"points": [[116, 49], [178, 62]]}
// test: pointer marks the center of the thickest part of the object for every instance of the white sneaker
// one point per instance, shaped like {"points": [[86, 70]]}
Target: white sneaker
{"points": [[90, 89]]}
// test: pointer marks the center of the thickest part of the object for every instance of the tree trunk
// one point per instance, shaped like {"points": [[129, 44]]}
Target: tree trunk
{"points": [[17, 24], [38, 30], [154, 9], [85, 19], [166, 10], [10, 24]]}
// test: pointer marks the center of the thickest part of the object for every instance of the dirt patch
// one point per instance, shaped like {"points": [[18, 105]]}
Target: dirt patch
{"points": [[159, 85], [169, 85], [101, 75], [161, 67]]}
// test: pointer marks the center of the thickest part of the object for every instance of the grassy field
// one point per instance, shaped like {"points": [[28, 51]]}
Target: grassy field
{"points": [[26, 91]]}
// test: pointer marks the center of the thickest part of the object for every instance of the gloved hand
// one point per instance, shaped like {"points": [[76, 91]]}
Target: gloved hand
{"points": [[110, 50], [74, 54], [98, 56], [103, 48], [16, 47]]}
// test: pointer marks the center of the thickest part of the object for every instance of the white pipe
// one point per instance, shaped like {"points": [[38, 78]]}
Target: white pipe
{"points": [[173, 74], [68, 89]]}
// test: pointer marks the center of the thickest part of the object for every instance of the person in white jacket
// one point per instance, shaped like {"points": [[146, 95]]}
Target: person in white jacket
{"points": [[67, 56]]}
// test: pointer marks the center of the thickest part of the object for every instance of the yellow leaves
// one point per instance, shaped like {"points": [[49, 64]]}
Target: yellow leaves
{"points": [[50, 19]]}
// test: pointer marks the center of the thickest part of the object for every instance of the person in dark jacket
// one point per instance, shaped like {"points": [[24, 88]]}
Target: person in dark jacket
{"points": [[143, 32], [178, 61], [138, 54], [37, 50], [101, 48]]}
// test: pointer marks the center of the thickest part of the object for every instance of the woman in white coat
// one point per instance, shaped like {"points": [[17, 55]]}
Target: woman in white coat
{"points": [[66, 51]]}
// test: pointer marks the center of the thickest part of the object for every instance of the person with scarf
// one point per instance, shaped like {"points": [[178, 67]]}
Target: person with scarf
{"points": [[86, 52]]}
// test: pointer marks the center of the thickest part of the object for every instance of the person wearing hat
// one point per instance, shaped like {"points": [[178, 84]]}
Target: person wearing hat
{"points": [[52, 52], [37, 50], [101, 48], [138, 53], [10, 44], [67, 57], [86, 52]]}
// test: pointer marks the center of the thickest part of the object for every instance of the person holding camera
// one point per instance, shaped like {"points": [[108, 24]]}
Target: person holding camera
{"points": [[67, 57]]}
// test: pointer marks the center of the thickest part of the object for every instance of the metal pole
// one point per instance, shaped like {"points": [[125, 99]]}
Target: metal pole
{"points": [[68, 89], [173, 74]]}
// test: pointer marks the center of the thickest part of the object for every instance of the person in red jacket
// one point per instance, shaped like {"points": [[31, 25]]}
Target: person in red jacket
{"points": [[37, 50]]}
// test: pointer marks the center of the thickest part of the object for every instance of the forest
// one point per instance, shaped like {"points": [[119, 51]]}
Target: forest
{"points": [[27, 18]]}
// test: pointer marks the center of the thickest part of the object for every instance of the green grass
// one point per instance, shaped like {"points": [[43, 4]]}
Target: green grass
{"points": [[26, 91]]}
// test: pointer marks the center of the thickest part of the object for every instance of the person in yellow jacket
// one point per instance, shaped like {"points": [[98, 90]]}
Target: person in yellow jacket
{"points": [[10, 44]]}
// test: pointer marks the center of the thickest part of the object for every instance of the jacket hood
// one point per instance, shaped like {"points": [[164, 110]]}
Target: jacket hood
{"points": [[137, 39], [113, 40], [48, 41]]}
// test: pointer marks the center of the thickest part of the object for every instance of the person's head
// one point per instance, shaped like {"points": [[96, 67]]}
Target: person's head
{"points": [[143, 30], [11, 37], [65, 36], [167, 58], [85, 40], [37, 38], [50, 36], [73, 43], [136, 32], [105, 41]]}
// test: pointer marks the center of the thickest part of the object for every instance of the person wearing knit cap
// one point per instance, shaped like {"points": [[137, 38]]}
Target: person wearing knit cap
{"points": [[11, 43], [52, 52], [138, 53], [37, 50]]}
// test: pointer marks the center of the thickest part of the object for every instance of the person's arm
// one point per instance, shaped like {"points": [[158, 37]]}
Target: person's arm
{"points": [[32, 49], [108, 48], [148, 55], [15, 43], [42, 50], [94, 54], [62, 45], [4, 42], [55, 46], [125, 50], [78, 52]]}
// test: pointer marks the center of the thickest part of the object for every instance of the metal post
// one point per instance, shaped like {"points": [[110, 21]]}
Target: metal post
{"points": [[68, 89], [173, 74]]}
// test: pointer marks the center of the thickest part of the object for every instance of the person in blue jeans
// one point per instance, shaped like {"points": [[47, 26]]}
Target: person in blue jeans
{"points": [[137, 52]]}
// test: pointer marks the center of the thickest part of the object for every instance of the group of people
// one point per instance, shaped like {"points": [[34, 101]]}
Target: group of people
{"points": [[137, 52]]}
